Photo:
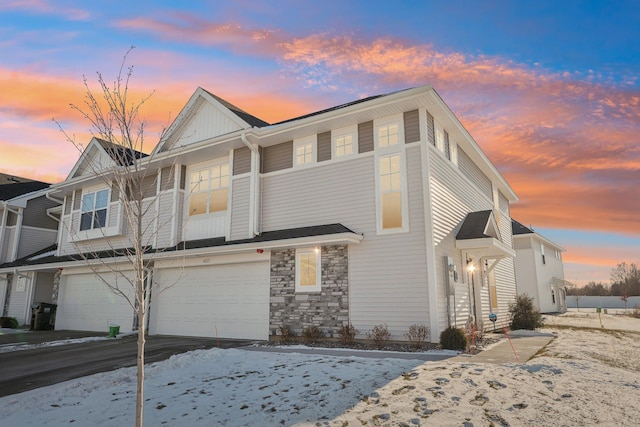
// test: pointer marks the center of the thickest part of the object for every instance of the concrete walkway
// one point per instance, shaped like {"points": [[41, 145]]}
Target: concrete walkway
{"points": [[524, 343]]}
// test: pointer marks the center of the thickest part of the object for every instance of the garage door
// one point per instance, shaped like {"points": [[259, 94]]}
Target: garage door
{"points": [[227, 301], [86, 304]]}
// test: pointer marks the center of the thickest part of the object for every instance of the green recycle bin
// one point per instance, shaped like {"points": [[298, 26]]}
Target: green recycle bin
{"points": [[114, 330]]}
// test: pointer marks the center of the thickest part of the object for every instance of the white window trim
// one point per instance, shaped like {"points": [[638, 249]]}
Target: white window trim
{"points": [[311, 139], [201, 166], [337, 133], [395, 119], [317, 252], [403, 192]]}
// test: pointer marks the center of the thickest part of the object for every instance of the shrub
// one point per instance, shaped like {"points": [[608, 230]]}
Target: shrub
{"points": [[523, 314], [312, 334], [417, 335], [286, 334], [380, 335], [453, 338], [347, 334], [9, 322]]}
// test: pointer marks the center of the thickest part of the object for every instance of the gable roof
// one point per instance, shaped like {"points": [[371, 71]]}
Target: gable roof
{"points": [[476, 226], [517, 228], [9, 191], [235, 118], [119, 155]]}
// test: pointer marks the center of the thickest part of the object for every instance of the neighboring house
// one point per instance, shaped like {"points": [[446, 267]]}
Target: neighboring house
{"points": [[27, 225], [539, 270], [379, 211]]}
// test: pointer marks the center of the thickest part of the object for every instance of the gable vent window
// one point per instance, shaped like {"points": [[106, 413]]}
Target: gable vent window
{"points": [[209, 190], [94, 210]]}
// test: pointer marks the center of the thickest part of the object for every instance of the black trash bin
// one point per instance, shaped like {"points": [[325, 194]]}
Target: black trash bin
{"points": [[42, 316]]}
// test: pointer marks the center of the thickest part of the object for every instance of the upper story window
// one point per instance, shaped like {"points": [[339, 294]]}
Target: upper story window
{"points": [[390, 191], [209, 190], [94, 210], [304, 150], [388, 134], [344, 141], [308, 270]]}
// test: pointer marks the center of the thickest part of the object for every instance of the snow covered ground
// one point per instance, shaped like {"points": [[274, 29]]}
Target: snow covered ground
{"points": [[584, 377]]}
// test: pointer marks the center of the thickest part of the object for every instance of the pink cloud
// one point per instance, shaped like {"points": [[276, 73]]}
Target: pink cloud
{"points": [[46, 7]]}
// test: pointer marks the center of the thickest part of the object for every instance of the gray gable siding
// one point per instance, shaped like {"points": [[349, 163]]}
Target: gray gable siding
{"points": [[324, 146], [35, 215], [241, 161], [277, 157], [431, 131], [411, 126], [365, 137], [167, 179], [67, 204], [473, 172]]}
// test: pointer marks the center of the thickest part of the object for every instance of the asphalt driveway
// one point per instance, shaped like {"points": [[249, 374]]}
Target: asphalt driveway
{"points": [[41, 366]]}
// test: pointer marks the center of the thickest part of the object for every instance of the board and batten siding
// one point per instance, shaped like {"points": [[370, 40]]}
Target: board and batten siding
{"points": [[208, 122], [240, 208]]}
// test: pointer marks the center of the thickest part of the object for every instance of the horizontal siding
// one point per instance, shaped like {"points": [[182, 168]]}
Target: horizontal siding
{"points": [[35, 214], [411, 126], [365, 137], [168, 178], [18, 301], [277, 157], [473, 172], [453, 197], [34, 239], [240, 207], [241, 161], [324, 146]]}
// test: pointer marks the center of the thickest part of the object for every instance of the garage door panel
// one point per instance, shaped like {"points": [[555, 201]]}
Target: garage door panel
{"points": [[87, 304], [228, 301]]}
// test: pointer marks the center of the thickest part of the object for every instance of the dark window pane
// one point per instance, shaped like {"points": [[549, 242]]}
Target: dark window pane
{"points": [[100, 219], [85, 221]]}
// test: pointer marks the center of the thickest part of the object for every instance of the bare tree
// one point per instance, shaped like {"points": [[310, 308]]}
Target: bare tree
{"points": [[625, 280], [117, 125]]}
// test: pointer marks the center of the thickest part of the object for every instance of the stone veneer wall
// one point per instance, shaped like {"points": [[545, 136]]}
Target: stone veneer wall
{"points": [[327, 309]]}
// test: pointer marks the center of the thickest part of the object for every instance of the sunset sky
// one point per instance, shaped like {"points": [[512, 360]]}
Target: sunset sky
{"points": [[549, 89]]}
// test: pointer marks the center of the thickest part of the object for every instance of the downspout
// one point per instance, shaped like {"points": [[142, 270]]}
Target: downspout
{"points": [[254, 188], [16, 241], [3, 226]]}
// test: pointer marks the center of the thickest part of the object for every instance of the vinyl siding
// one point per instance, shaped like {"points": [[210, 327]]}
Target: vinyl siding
{"points": [[35, 214], [165, 219], [453, 196], [7, 244], [241, 161], [411, 126], [473, 172], [18, 301], [44, 287], [167, 179], [67, 204], [365, 137], [277, 157], [208, 122], [240, 201], [324, 146], [34, 239]]}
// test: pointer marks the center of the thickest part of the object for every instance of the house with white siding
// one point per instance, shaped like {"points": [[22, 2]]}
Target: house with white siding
{"points": [[27, 225], [539, 269], [380, 211]]}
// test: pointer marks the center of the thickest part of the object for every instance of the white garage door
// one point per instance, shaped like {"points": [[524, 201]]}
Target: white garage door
{"points": [[225, 301], [86, 304]]}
